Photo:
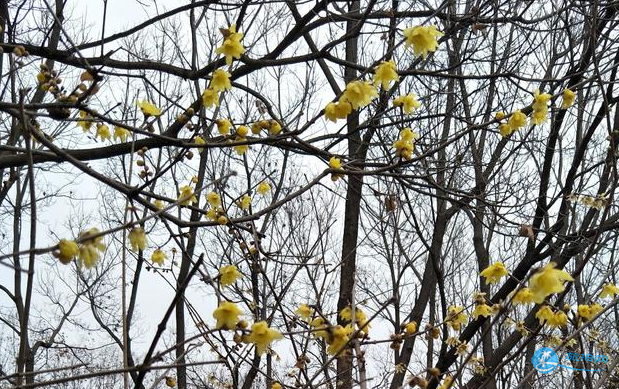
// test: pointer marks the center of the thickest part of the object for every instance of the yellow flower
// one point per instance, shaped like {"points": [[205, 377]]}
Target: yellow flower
{"points": [[187, 196], [90, 248], [170, 381], [210, 98], [240, 149], [148, 108], [242, 131], [359, 93], [275, 128], [228, 275], [456, 317], [223, 126], [199, 141], [121, 133], [244, 202], [587, 312], [86, 121], [559, 319], [320, 328], [263, 188], [540, 107], [408, 103], [304, 311], [276, 385], [231, 47], [406, 144], [568, 99], [330, 111], [544, 314], [338, 339], [547, 281], [262, 336], [481, 310], [220, 81], [227, 315], [103, 132], [423, 39], [158, 204], [335, 163], [137, 238], [523, 296], [339, 110], [68, 250], [609, 290], [360, 318], [214, 199], [505, 130], [411, 327], [158, 257], [494, 272], [499, 115], [517, 120], [446, 383], [385, 73]]}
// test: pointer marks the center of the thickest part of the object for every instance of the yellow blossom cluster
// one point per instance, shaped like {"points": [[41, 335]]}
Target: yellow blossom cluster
{"points": [[540, 107], [87, 251], [405, 145], [598, 202], [261, 335]]}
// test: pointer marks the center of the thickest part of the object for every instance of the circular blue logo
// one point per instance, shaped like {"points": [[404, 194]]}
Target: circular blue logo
{"points": [[545, 360]]}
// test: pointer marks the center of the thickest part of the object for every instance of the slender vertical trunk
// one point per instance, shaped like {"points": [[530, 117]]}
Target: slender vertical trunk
{"points": [[351, 212]]}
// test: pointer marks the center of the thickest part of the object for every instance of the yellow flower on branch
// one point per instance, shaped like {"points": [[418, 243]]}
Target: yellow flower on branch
{"points": [[540, 107], [456, 317], [359, 93], [68, 250], [481, 310], [547, 281], [103, 132], [517, 120], [213, 199], [210, 98], [304, 311], [523, 296], [263, 188], [187, 196], [90, 248], [148, 108], [408, 103], [228, 275], [85, 121], [338, 339], [262, 336], [245, 202], [227, 316], [568, 99], [494, 273], [220, 81], [231, 47], [121, 133], [423, 39], [609, 290], [223, 126], [137, 239], [385, 73], [158, 257]]}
